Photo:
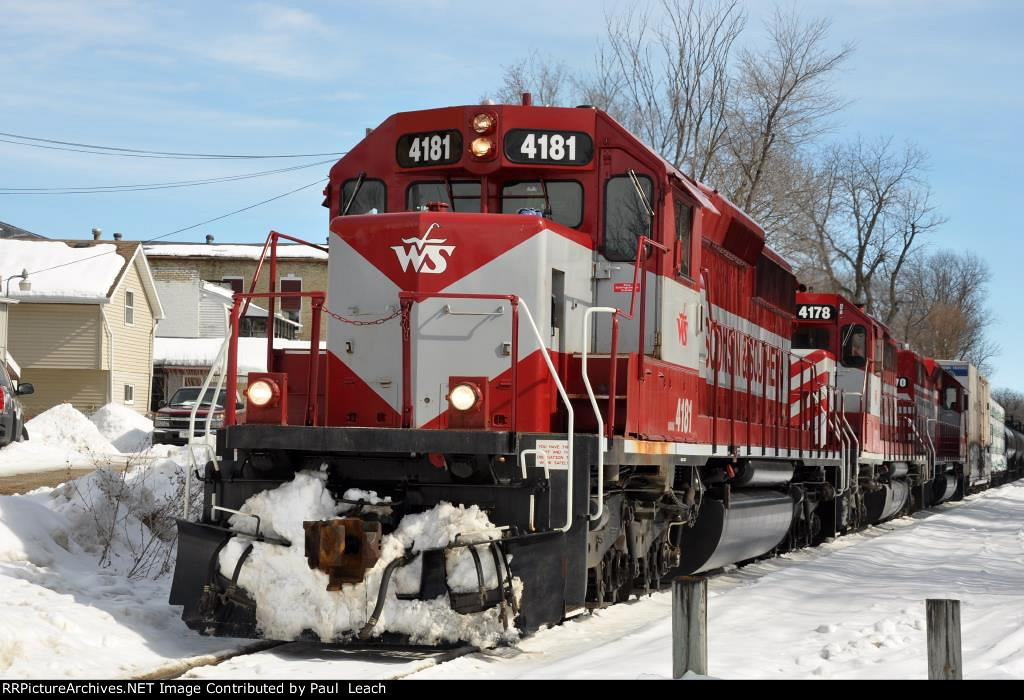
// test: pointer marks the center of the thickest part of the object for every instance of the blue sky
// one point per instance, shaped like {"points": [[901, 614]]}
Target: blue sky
{"points": [[245, 77]]}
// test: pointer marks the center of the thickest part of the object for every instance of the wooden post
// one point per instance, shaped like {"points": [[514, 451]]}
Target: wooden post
{"points": [[689, 625], [945, 658]]}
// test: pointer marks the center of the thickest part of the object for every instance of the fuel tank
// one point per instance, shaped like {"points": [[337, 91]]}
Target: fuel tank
{"points": [[885, 502], [943, 488], [753, 524]]}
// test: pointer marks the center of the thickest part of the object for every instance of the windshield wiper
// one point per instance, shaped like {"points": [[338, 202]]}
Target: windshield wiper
{"points": [[355, 191], [642, 197]]}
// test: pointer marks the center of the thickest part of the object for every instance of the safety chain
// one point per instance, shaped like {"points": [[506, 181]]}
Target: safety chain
{"points": [[375, 322]]}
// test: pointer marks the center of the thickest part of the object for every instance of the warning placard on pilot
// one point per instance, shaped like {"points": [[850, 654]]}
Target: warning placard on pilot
{"points": [[553, 454]]}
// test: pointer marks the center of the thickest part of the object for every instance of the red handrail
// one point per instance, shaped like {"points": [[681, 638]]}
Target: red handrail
{"points": [[312, 397]]}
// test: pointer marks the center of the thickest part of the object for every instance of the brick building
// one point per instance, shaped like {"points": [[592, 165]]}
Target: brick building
{"points": [[299, 268]]}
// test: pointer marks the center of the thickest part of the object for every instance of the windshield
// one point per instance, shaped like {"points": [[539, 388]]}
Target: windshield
{"points": [[188, 397], [563, 201], [464, 195]]}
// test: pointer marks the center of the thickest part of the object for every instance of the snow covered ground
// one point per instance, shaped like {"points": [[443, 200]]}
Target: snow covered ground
{"points": [[63, 438], [84, 582], [850, 609], [84, 567]]}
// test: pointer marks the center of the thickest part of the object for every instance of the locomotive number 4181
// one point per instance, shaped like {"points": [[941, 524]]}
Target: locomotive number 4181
{"points": [[429, 148], [816, 312], [542, 146]]}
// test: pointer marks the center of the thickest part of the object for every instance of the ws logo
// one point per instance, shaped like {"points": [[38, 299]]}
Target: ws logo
{"points": [[424, 255]]}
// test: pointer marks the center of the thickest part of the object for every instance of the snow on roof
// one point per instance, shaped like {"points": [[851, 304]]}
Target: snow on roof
{"points": [[248, 251], [201, 352], [59, 270]]}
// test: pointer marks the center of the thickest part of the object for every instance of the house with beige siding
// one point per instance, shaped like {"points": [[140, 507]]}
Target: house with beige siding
{"points": [[233, 265], [84, 325]]}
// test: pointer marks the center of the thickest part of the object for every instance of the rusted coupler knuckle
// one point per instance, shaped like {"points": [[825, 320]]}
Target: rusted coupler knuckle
{"points": [[343, 548]]}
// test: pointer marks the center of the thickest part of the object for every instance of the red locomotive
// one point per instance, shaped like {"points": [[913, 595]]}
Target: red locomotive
{"points": [[530, 311]]}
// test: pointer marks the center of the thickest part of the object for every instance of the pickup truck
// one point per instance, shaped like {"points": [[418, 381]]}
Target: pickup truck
{"points": [[170, 425]]}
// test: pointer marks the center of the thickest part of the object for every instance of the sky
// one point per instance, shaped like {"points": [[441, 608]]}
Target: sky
{"points": [[273, 77]]}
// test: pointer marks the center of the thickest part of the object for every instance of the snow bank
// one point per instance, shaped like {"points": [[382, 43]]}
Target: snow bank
{"points": [[64, 426], [83, 577], [60, 438], [291, 598], [124, 428], [28, 457]]}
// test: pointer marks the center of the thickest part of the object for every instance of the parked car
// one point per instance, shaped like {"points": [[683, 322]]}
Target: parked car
{"points": [[170, 425], [12, 416]]}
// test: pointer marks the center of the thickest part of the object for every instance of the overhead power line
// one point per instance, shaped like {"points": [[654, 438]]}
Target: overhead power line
{"points": [[36, 142], [186, 228], [104, 189]]}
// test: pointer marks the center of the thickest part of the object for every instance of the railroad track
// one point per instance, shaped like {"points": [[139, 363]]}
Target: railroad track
{"points": [[603, 626], [311, 659]]}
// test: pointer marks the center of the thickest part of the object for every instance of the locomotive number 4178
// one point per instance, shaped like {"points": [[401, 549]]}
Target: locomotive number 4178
{"points": [[816, 312]]}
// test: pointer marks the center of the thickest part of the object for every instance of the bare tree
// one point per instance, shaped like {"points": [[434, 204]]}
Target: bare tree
{"points": [[782, 101], [549, 81], [865, 216], [1012, 401], [943, 311], [666, 77]]}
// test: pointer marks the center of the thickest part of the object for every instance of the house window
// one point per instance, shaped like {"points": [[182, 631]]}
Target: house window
{"points": [[129, 308], [291, 307], [129, 393], [235, 284]]}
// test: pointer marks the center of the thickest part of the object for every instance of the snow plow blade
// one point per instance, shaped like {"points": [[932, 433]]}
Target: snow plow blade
{"points": [[198, 546]]}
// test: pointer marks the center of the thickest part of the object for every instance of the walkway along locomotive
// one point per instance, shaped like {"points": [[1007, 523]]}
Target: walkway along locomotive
{"points": [[532, 312]]}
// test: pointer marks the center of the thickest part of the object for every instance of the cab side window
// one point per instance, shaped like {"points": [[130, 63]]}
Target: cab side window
{"points": [[625, 216], [855, 346], [684, 236]]}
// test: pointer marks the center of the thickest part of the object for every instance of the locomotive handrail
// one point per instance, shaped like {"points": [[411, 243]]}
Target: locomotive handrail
{"points": [[844, 446], [407, 299], [929, 457], [317, 301], [271, 243], [218, 367], [928, 434], [603, 440]]}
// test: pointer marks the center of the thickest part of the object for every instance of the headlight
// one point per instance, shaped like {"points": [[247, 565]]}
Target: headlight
{"points": [[217, 422], [261, 392], [463, 397], [482, 147], [162, 423], [483, 123]]}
